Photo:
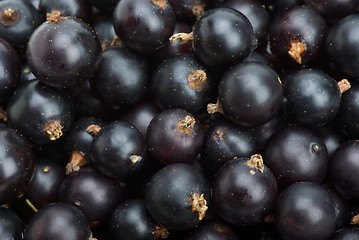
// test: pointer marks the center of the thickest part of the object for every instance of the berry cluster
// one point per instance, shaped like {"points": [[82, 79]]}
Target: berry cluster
{"points": [[179, 119]]}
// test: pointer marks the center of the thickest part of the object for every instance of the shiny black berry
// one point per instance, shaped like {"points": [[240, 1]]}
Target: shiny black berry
{"points": [[312, 97], [305, 211], [302, 156], [18, 19], [16, 164], [95, 194], [144, 25], [71, 53], [178, 196], [244, 191], [118, 150], [340, 45], [250, 94], [174, 135], [12, 226], [223, 37], [121, 78], [183, 82], [59, 221], [131, 220], [41, 113]]}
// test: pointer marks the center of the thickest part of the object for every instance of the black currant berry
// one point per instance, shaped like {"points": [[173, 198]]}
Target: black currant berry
{"points": [[11, 227], [302, 156], [183, 82], [256, 13], [81, 135], [223, 37], [58, 221], [41, 113], [342, 207], [63, 51], [223, 142], [174, 136], [131, 220], [348, 114], [121, 78], [11, 64], [45, 182], [144, 25], [18, 19], [178, 196], [244, 191], [95, 194], [340, 45], [250, 94], [312, 97], [344, 170], [305, 211], [298, 35], [118, 150], [16, 164]]}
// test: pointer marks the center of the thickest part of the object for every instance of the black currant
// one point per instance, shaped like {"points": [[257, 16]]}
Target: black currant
{"points": [[174, 135], [41, 113], [224, 141], [183, 82], [71, 53], [305, 211], [312, 97], [16, 165], [298, 35], [119, 150], [244, 191], [12, 226], [250, 94], [144, 25], [95, 194], [223, 37], [59, 221], [178, 196], [302, 155], [131, 220], [121, 78]]}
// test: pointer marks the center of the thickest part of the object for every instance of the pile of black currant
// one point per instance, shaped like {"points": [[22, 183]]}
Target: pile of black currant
{"points": [[179, 120]]}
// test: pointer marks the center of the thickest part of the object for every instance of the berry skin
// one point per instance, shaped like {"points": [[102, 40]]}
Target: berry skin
{"points": [[250, 94], [305, 211], [41, 113], [118, 150], [144, 25], [312, 97], [59, 221], [177, 196], [244, 191], [341, 45], [223, 37], [174, 136], [71, 53], [16, 164]]}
